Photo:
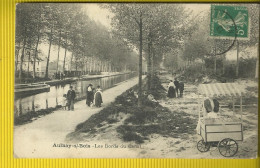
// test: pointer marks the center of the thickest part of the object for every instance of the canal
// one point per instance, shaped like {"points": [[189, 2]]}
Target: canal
{"points": [[54, 97]]}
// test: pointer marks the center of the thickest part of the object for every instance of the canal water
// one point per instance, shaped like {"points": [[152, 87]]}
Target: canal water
{"points": [[55, 96]]}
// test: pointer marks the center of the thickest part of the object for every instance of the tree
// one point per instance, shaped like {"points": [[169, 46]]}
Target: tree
{"points": [[129, 20], [25, 30]]}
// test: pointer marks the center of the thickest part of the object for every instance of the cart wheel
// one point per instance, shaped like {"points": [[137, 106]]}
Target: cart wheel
{"points": [[228, 147], [203, 146]]}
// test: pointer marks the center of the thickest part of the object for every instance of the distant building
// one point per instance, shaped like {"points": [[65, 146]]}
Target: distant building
{"points": [[28, 67]]}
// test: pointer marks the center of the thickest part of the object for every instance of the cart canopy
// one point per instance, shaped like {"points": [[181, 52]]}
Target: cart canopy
{"points": [[220, 89]]}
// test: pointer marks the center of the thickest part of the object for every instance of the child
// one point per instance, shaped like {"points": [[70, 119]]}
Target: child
{"points": [[98, 97], [64, 102]]}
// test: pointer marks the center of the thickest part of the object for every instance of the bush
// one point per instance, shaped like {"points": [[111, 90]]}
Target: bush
{"points": [[143, 115]]}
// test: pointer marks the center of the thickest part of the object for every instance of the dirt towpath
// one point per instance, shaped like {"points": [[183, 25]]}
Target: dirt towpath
{"points": [[39, 138]]}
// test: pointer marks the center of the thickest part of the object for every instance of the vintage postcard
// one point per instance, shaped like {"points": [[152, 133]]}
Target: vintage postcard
{"points": [[136, 80]]}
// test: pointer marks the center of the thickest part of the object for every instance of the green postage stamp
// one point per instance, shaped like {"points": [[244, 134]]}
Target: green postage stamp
{"points": [[229, 21]]}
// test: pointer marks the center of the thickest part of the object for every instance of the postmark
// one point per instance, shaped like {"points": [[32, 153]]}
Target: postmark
{"points": [[229, 21], [227, 25]]}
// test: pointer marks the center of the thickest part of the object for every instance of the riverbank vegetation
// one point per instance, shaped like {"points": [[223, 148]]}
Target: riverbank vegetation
{"points": [[33, 115]]}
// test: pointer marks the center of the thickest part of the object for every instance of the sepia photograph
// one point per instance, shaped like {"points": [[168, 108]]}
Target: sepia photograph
{"points": [[136, 80]]}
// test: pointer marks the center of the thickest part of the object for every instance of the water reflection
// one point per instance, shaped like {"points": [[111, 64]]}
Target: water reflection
{"points": [[54, 97]]}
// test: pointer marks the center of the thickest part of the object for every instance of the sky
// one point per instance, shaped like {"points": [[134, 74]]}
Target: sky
{"points": [[103, 16], [95, 12]]}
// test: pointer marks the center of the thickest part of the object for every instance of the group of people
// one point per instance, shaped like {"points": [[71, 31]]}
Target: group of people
{"points": [[94, 97], [59, 75], [175, 89]]}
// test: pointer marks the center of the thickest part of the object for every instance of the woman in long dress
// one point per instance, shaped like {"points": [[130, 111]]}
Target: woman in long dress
{"points": [[98, 97], [171, 90], [90, 95]]}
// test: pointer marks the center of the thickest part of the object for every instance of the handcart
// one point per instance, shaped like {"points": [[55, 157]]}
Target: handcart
{"points": [[221, 132]]}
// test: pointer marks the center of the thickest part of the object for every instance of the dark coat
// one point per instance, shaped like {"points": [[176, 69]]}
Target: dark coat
{"points": [[216, 105], [71, 95], [171, 92], [181, 85], [176, 83], [98, 99], [207, 105], [90, 97]]}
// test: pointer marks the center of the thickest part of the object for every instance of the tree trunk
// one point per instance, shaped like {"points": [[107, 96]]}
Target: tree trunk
{"points": [[65, 54], [152, 61], [37, 43], [16, 57], [237, 66], [35, 55], [58, 59], [257, 64], [88, 65], [223, 64], [76, 64], [140, 62], [102, 66], [85, 65], [49, 53], [149, 63], [94, 65], [22, 57], [215, 61], [28, 67], [215, 64], [257, 68], [71, 61]]}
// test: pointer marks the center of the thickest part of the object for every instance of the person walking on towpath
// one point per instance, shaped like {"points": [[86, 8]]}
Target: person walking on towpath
{"points": [[181, 88], [176, 83], [171, 90], [98, 97], [70, 97], [90, 95]]}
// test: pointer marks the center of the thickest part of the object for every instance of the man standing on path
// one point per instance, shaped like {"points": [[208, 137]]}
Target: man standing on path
{"points": [[176, 83], [181, 88], [70, 97]]}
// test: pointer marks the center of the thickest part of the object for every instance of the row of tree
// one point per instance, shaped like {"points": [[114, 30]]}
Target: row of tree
{"points": [[67, 26]]}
